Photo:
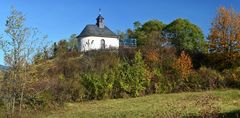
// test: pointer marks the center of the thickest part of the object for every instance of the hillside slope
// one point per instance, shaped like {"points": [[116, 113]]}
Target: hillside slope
{"points": [[227, 102], [3, 68]]}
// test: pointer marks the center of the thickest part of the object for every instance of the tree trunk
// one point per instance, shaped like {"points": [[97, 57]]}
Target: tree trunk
{"points": [[21, 99], [13, 106]]}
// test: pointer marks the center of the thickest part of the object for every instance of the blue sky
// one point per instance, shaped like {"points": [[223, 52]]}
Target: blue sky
{"points": [[60, 18]]}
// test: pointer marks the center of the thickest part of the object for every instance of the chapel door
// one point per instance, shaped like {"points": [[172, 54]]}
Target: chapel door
{"points": [[102, 44]]}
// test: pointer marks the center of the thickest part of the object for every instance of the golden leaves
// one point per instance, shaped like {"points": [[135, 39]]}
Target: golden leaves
{"points": [[183, 65], [225, 30]]}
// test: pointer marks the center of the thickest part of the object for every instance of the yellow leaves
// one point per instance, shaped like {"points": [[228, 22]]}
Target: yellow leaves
{"points": [[183, 65]]}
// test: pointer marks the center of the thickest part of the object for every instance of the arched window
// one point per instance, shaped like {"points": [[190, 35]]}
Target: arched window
{"points": [[102, 44]]}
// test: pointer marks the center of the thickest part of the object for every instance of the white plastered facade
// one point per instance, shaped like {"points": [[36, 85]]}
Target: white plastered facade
{"points": [[96, 43]]}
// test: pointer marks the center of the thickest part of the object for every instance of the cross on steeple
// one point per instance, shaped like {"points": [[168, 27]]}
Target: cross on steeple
{"points": [[99, 11]]}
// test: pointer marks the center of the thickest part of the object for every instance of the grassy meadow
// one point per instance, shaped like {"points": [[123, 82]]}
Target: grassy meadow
{"points": [[227, 102]]}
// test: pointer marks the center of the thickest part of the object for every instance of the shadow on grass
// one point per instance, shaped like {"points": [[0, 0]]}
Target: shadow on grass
{"points": [[232, 114]]}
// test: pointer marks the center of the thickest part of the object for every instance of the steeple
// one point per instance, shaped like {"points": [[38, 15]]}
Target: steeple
{"points": [[100, 20]]}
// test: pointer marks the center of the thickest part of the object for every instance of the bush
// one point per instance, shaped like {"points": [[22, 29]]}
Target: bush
{"points": [[167, 86], [119, 81], [51, 91], [176, 78], [41, 101], [155, 77], [168, 82], [210, 79], [203, 79], [218, 61], [131, 79], [68, 90], [98, 86], [232, 77]]}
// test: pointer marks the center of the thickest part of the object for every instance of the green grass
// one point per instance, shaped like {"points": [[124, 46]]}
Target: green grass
{"points": [[158, 105]]}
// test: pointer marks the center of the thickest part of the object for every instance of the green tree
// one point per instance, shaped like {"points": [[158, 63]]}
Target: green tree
{"points": [[140, 73], [185, 36], [153, 25], [148, 33], [132, 79]]}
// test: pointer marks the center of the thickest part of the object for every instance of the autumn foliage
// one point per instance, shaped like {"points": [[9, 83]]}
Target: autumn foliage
{"points": [[183, 65], [225, 31], [153, 56], [61, 74]]}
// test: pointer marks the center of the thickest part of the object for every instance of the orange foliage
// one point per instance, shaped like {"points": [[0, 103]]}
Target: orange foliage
{"points": [[152, 56], [183, 65], [225, 30]]}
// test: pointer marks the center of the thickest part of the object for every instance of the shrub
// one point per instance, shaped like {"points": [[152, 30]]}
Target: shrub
{"points": [[175, 78], [59, 89], [189, 84], [98, 86], [68, 90], [203, 79], [232, 77], [155, 77], [168, 82], [120, 81], [167, 86], [218, 61], [210, 79], [132, 79], [41, 101]]}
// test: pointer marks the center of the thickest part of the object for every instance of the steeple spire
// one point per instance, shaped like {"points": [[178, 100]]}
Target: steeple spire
{"points": [[99, 11], [100, 20]]}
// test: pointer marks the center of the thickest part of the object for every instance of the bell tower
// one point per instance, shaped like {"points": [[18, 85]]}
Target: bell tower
{"points": [[100, 20]]}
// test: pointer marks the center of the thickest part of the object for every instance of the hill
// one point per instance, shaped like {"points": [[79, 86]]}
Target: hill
{"points": [[3, 68], [227, 102]]}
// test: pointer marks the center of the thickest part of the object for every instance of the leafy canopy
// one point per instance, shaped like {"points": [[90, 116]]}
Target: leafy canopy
{"points": [[148, 32], [185, 36]]}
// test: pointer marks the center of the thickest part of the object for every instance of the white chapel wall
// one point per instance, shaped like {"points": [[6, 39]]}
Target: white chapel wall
{"points": [[94, 43]]}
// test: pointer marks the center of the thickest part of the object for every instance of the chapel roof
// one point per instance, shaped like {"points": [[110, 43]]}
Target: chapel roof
{"points": [[99, 30], [94, 30]]}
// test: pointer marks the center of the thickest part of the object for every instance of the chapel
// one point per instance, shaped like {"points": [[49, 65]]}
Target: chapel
{"points": [[97, 36]]}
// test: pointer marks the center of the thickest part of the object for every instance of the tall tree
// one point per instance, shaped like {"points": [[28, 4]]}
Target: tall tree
{"points": [[185, 36], [18, 50], [225, 31]]}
